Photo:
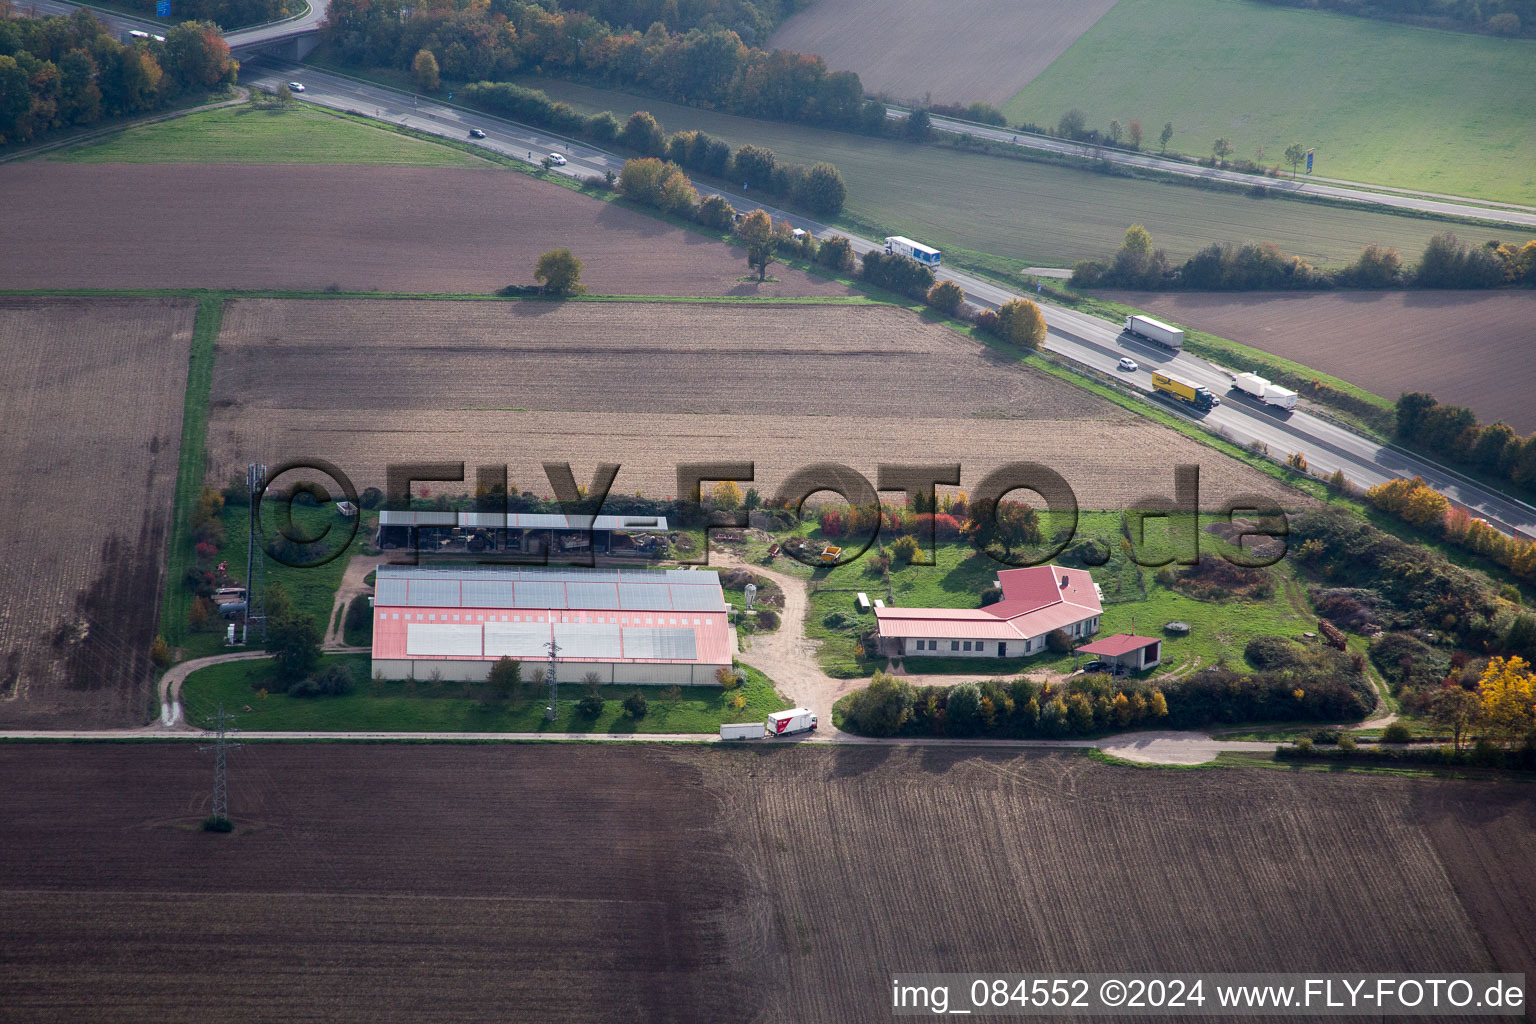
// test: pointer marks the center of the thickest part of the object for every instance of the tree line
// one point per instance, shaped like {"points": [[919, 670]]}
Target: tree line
{"points": [[58, 72], [704, 67], [1453, 432], [1498, 17], [1447, 262], [1319, 685], [753, 20], [227, 14], [819, 189]]}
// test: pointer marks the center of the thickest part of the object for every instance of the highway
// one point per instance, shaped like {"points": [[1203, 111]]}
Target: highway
{"points": [[1449, 206], [1083, 339]]}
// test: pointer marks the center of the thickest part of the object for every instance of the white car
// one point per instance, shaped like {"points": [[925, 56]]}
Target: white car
{"points": [[295, 86], [1128, 366], [557, 159]]}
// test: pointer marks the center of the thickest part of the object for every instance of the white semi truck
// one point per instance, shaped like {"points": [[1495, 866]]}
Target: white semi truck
{"points": [[1155, 331], [787, 723], [900, 245], [1270, 394]]}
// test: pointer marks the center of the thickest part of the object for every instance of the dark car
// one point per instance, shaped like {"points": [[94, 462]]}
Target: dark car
{"points": [[476, 133]]}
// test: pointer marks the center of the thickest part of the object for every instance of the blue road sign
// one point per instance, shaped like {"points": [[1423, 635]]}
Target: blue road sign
{"points": [[162, 8], [1309, 161]]}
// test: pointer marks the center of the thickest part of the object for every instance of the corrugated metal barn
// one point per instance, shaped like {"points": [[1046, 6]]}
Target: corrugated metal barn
{"points": [[651, 626]]}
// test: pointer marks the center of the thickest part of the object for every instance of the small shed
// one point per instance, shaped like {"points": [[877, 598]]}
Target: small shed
{"points": [[1124, 650]]}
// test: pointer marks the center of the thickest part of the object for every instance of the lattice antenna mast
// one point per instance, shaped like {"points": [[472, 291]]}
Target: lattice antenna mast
{"points": [[553, 680], [255, 481], [223, 742]]}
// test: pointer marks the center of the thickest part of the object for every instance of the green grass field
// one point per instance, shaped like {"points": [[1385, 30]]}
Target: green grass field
{"points": [[1134, 602], [1380, 102], [423, 706], [300, 134], [1028, 213]]}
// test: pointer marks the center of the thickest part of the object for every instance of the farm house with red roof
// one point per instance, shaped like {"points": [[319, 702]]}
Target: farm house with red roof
{"points": [[648, 626], [1035, 601]]}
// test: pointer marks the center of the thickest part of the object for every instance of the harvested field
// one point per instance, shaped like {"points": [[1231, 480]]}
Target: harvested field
{"points": [[92, 407], [975, 50], [358, 228], [363, 383], [1476, 349], [617, 884]]}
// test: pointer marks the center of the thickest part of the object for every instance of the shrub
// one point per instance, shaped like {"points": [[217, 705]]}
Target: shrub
{"points": [[897, 273], [946, 297], [591, 706], [1303, 745], [836, 252], [635, 705], [881, 708], [715, 212], [727, 677], [991, 595], [836, 620], [357, 627], [1057, 641], [767, 619], [160, 652], [906, 548], [1397, 732], [962, 709], [1346, 743], [1268, 652]]}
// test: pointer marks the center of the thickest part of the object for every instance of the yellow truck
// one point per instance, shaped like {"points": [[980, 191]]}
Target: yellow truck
{"points": [[1187, 394]]}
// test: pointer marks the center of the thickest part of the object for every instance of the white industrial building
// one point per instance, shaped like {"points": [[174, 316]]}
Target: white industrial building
{"points": [[648, 626]]}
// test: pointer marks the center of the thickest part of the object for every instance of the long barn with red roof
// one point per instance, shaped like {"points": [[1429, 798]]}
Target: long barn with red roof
{"points": [[648, 626]]}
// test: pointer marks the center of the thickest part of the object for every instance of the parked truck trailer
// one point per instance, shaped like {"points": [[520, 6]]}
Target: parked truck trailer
{"points": [[742, 731], [787, 723], [1261, 388], [1188, 394], [1155, 331]]}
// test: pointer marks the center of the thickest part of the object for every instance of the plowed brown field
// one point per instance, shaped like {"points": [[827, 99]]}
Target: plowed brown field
{"points": [[359, 228], [578, 883], [1476, 349], [961, 51], [91, 410], [650, 386]]}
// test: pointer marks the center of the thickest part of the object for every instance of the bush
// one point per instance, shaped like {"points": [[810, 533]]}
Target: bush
{"points": [[727, 677], [602, 127], [897, 273], [946, 297], [1303, 745], [334, 681], [213, 823], [991, 595], [591, 706], [357, 627], [821, 191], [767, 619], [715, 212], [836, 252], [635, 705], [1057, 641], [881, 708], [1270, 652], [1397, 732], [906, 548]]}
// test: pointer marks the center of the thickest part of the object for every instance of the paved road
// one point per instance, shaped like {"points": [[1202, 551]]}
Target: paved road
{"points": [[1402, 199], [1083, 339]]}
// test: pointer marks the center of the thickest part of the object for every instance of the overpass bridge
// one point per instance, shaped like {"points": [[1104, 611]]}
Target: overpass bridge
{"points": [[289, 39]]}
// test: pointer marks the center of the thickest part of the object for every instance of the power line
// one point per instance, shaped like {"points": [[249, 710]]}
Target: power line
{"points": [[222, 743], [554, 683]]}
